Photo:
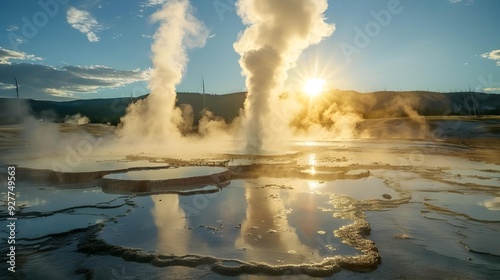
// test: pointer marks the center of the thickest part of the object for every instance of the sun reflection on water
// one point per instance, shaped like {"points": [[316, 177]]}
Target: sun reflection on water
{"points": [[314, 185], [312, 163]]}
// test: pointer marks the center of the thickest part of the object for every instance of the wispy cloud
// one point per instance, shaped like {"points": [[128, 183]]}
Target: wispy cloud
{"points": [[147, 4], [6, 55], [116, 36], [84, 22], [493, 55], [492, 89], [152, 3], [6, 86], [12, 28], [42, 81], [467, 2]]}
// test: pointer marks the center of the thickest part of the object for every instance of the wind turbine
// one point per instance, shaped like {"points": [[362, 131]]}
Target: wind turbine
{"points": [[203, 84], [17, 88], [17, 102]]}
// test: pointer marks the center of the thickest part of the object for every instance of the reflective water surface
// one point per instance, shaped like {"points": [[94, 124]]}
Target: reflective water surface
{"points": [[329, 209]]}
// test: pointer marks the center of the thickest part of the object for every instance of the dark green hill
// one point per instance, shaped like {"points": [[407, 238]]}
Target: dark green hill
{"points": [[111, 110], [369, 105]]}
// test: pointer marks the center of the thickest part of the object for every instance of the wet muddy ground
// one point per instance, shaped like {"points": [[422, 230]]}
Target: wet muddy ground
{"points": [[357, 209]]}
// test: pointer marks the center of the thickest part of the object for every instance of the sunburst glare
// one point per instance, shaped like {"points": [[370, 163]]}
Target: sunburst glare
{"points": [[315, 86]]}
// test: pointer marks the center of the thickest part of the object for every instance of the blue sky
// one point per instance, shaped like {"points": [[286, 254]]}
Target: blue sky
{"points": [[60, 49]]}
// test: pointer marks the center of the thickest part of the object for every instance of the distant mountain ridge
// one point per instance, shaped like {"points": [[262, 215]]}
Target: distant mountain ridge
{"points": [[382, 104]]}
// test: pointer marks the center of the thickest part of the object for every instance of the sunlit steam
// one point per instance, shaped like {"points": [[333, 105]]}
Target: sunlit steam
{"points": [[277, 33], [157, 117]]}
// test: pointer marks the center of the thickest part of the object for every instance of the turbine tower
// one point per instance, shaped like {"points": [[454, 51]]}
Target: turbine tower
{"points": [[17, 88], [17, 102], [203, 84]]}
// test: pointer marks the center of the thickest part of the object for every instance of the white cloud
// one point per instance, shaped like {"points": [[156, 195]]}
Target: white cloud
{"points": [[493, 55], [6, 86], [492, 89], [6, 55], [57, 92], [66, 81], [83, 22]]}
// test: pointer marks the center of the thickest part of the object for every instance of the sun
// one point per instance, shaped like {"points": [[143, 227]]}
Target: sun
{"points": [[313, 87]]}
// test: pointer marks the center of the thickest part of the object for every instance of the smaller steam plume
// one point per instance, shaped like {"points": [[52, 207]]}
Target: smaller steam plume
{"points": [[77, 119], [156, 117]]}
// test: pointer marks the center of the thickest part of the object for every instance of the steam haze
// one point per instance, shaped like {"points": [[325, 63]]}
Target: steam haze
{"points": [[276, 35]]}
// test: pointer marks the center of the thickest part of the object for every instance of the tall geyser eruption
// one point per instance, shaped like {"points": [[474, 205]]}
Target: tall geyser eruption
{"points": [[277, 33], [156, 117]]}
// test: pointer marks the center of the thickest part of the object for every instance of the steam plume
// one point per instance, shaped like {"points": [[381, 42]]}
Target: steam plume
{"points": [[278, 31], [157, 117]]}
